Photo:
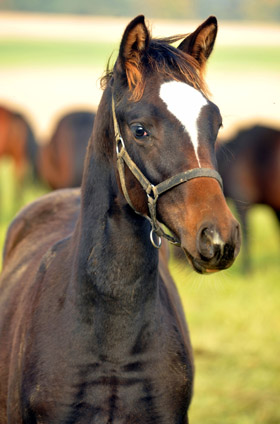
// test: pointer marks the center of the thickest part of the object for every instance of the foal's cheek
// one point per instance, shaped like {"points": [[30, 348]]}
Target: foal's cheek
{"points": [[173, 211]]}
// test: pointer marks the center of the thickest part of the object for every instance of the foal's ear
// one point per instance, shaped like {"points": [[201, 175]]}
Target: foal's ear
{"points": [[134, 42], [200, 43]]}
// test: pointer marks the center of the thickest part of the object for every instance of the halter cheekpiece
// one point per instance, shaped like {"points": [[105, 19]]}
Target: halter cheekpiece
{"points": [[152, 191]]}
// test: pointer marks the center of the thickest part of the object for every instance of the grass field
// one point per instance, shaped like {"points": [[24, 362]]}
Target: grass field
{"points": [[14, 52], [234, 319], [47, 53]]}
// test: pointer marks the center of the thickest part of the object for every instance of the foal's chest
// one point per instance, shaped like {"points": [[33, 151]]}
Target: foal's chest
{"points": [[133, 393]]}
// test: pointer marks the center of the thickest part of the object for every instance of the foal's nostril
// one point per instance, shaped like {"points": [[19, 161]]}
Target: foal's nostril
{"points": [[212, 248], [208, 243]]}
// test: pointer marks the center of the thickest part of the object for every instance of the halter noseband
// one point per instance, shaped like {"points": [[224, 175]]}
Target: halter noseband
{"points": [[153, 192]]}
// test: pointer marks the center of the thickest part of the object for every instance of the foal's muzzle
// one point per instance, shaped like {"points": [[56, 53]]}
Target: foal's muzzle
{"points": [[214, 253]]}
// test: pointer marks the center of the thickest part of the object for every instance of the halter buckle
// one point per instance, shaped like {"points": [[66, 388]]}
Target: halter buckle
{"points": [[152, 193]]}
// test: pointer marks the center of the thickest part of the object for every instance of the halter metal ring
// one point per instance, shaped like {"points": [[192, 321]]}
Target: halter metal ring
{"points": [[119, 145], [158, 244]]}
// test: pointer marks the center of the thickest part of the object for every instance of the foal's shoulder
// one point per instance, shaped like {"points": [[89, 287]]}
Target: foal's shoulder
{"points": [[53, 213]]}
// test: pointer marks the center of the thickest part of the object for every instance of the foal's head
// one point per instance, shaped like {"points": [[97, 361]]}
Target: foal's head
{"points": [[169, 126]]}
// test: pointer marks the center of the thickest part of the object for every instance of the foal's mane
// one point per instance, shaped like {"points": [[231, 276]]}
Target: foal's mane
{"points": [[163, 58]]}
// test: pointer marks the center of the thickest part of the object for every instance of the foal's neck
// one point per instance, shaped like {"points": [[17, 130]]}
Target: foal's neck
{"points": [[117, 260]]}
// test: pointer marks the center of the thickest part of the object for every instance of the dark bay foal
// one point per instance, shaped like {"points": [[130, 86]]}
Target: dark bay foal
{"points": [[91, 326]]}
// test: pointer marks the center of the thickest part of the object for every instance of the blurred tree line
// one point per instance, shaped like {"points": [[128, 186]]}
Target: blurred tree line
{"points": [[177, 9]]}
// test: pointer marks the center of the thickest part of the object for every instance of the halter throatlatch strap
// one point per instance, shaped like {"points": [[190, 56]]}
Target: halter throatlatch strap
{"points": [[153, 192]]}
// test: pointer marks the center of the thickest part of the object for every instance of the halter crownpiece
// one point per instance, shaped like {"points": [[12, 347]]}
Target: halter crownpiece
{"points": [[152, 191]]}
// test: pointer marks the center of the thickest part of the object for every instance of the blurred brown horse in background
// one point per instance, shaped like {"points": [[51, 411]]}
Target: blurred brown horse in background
{"points": [[58, 163], [61, 160], [249, 164], [18, 142]]}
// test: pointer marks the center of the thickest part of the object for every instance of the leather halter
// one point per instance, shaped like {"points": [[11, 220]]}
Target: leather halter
{"points": [[153, 192]]}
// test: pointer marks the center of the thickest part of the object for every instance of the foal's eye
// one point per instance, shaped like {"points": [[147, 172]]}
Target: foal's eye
{"points": [[139, 131]]}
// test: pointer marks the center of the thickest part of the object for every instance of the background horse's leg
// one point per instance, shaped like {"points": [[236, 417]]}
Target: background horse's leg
{"points": [[242, 211], [278, 215]]}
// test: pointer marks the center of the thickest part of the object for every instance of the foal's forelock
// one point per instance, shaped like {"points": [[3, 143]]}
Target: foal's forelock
{"points": [[161, 59]]}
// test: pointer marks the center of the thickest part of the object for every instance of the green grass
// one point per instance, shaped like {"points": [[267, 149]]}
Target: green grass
{"points": [[46, 53], [245, 58], [13, 197], [234, 321], [235, 326]]}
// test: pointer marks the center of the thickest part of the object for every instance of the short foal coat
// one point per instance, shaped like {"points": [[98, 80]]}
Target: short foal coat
{"points": [[92, 328]]}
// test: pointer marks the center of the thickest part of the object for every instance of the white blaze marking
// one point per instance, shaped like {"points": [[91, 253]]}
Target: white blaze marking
{"points": [[185, 103]]}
